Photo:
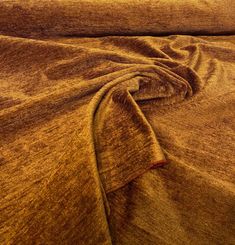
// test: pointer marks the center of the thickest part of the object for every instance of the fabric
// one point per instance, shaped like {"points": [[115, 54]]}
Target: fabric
{"points": [[117, 139], [118, 17]]}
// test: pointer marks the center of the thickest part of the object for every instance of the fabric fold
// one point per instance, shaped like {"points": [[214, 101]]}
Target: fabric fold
{"points": [[125, 143]]}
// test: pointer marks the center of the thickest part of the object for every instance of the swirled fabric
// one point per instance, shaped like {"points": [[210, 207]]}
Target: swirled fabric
{"points": [[117, 139]]}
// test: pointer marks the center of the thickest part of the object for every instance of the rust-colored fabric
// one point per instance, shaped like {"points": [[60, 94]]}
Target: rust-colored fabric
{"points": [[117, 139]]}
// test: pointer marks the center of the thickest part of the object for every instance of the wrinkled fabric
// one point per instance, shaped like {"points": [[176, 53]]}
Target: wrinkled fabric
{"points": [[117, 139]]}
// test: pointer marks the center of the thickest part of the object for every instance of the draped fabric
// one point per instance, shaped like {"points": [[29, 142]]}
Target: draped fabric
{"points": [[117, 139]]}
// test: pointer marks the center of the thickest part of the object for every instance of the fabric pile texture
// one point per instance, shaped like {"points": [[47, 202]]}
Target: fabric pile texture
{"points": [[117, 122]]}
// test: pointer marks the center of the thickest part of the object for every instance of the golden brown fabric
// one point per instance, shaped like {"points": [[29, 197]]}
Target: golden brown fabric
{"points": [[108, 17], [117, 139]]}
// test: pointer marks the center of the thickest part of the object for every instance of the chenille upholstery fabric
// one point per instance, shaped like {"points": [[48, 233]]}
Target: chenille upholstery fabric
{"points": [[117, 139], [106, 17]]}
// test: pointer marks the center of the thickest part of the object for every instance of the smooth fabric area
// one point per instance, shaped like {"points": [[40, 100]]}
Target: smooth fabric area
{"points": [[33, 18], [116, 139]]}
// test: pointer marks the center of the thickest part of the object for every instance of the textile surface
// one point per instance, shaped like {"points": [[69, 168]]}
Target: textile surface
{"points": [[117, 139]]}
